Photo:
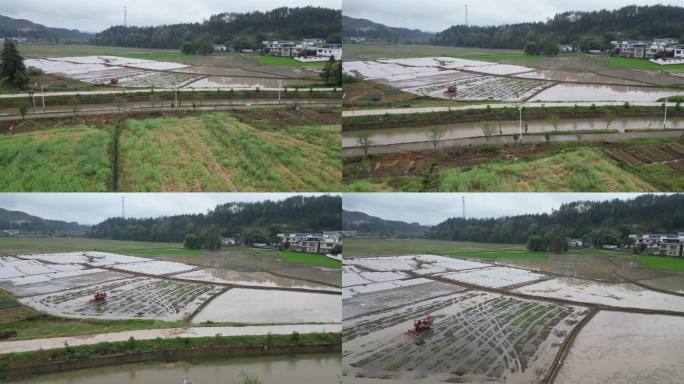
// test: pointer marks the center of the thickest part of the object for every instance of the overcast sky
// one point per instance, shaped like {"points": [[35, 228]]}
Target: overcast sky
{"points": [[438, 15], [97, 15], [433, 208], [92, 208]]}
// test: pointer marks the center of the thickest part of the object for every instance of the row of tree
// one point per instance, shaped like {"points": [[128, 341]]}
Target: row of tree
{"points": [[241, 30], [596, 223], [584, 30], [251, 222]]}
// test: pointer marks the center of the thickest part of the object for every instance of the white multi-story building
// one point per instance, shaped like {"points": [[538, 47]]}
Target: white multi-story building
{"points": [[306, 50], [311, 242]]}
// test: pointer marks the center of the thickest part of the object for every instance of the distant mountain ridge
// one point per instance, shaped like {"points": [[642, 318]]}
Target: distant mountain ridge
{"points": [[22, 28], [371, 225], [35, 225], [353, 27]]}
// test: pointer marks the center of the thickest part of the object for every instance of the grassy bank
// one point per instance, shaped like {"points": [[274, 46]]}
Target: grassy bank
{"points": [[309, 258], [71, 354]]}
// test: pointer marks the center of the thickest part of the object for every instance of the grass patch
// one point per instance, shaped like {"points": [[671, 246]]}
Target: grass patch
{"points": [[217, 152], [662, 262], [309, 258], [627, 62], [395, 51], [398, 247], [66, 159], [279, 60]]}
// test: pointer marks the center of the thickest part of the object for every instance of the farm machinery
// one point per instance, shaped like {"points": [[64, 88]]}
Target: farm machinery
{"points": [[99, 297], [451, 90], [421, 325]]}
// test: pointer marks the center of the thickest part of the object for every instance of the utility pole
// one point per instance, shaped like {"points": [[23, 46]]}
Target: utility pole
{"points": [[125, 17], [665, 115], [280, 88], [520, 108], [42, 94], [466, 14], [123, 210], [463, 201]]}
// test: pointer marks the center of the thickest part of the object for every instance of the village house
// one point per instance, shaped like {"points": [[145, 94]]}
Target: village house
{"points": [[672, 247], [310, 242], [575, 243], [229, 241], [645, 49], [306, 50]]}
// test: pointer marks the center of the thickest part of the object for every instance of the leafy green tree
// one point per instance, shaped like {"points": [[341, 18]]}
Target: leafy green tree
{"points": [[12, 68], [536, 243], [24, 107], [187, 47], [531, 48], [192, 241]]}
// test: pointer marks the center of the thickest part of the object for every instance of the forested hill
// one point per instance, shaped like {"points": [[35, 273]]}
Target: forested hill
{"points": [[255, 222], [34, 225], [595, 29], [371, 225], [352, 27], [243, 30], [10, 27], [605, 222]]}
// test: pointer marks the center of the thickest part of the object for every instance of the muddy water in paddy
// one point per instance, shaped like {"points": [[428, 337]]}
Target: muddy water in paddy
{"points": [[623, 348], [403, 135], [581, 92], [318, 368], [258, 279], [241, 82]]}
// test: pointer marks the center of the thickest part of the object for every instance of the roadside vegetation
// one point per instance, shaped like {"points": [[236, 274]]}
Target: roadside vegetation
{"points": [[132, 346]]}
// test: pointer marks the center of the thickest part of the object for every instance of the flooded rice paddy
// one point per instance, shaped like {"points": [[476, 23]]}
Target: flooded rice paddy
{"points": [[250, 278], [480, 80], [272, 307], [140, 73], [626, 348], [296, 369], [482, 336], [625, 295], [477, 336]]}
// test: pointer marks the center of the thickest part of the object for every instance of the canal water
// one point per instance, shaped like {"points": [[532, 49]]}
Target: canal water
{"points": [[297, 369], [403, 135]]}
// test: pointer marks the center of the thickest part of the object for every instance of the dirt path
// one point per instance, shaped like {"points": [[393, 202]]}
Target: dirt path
{"points": [[171, 333]]}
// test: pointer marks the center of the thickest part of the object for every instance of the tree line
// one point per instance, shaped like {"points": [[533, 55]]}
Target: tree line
{"points": [[257, 222], [596, 223], [583, 30], [241, 30]]}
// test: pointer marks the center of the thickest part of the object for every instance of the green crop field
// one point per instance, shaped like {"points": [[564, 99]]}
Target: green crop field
{"points": [[502, 255], [627, 62], [160, 251], [309, 258], [61, 159], [661, 262], [213, 151], [216, 152], [398, 247], [277, 60], [376, 51], [18, 245]]}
